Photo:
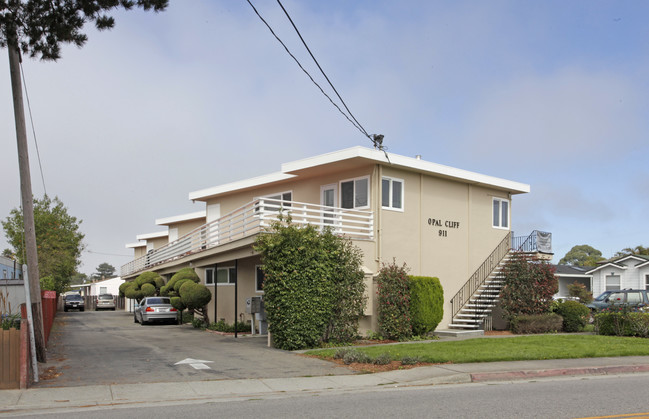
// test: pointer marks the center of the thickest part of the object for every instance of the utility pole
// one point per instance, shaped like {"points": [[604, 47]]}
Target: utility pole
{"points": [[27, 199]]}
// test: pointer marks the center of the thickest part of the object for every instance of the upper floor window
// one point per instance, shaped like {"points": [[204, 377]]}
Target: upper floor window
{"points": [[355, 193], [392, 193], [284, 197], [500, 213]]}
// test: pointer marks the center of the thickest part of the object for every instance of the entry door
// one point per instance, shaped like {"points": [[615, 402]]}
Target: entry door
{"points": [[329, 200]]}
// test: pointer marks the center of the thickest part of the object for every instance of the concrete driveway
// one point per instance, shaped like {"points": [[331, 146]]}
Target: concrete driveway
{"points": [[106, 347]]}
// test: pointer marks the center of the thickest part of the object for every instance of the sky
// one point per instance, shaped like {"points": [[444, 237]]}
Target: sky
{"points": [[552, 94]]}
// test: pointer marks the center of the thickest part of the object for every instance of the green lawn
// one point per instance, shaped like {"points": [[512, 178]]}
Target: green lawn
{"points": [[515, 348]]}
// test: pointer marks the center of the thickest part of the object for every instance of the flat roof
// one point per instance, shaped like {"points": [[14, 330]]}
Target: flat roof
{"points": [[134, 245], [363, 155], [180, 218], [157, 235]]}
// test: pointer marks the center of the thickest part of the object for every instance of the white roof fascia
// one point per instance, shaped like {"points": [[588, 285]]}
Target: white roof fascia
{"points": [[134, 245], [180, 218], [611, 265], [152, 235], [407, 162], [642, 264], [242, 184]]}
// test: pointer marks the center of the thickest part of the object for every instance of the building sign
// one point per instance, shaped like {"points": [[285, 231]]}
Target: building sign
{"points": [[443, 226]]}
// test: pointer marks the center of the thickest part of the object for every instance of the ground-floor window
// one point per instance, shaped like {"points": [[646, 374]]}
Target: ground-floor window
{"points": [[612, 282], [223, 276], [259, 279]]}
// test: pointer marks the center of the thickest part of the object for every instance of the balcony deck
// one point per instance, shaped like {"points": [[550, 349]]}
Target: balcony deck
{"points": [[251, 219]]}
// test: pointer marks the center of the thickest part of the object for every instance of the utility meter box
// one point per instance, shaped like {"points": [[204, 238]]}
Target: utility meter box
{"points": [[253, 305]]}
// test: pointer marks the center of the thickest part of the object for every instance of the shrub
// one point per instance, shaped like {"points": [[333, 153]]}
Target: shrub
{"points": [[529, 286], [536, 323], [148, 289], [198, 323], [575, 315], [410, 360], [313, 285], [394, 302], [426, 304], [222, 326], [356, 356], [146, 284], [383, 359], [579, 290], [624, 323]]}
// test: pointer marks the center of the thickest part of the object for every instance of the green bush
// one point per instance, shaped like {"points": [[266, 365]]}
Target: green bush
{"points": [[426, 304], [394, 302], [222, 326], [146, 284], [529, 286], [624, 323], [536, 323], [148, 289], [575, 315], [198, 323], [176, 281], [355, 356], [383, 359], [579, 290], [410, 360], [313, 285]]}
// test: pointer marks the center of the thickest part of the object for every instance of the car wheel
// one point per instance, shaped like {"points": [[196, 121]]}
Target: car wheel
{"points": [[65, 309], [83, 309], [134, 318], [113, 308]]}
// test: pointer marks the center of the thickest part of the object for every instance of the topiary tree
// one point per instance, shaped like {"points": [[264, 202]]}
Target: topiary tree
{"points": [[195, 297], [394, 302], [313, 286], [145, 285], [529, 286], [426, 304]]}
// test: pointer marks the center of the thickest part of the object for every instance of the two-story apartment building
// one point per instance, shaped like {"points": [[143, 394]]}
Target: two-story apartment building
{"points": [[441, 221]]}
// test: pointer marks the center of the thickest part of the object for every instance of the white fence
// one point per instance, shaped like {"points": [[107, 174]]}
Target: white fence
{"points": [[254, 218]]}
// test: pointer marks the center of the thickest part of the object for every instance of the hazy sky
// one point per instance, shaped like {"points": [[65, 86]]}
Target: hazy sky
{"points": [[552, 93]]}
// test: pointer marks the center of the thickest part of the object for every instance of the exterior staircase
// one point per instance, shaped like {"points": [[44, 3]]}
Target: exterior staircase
{"points": [[474, 302], [473, 314]]}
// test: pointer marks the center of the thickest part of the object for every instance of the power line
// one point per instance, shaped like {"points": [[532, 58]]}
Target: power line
{"points": [[373, 137], [31, 120], [108, 254]]}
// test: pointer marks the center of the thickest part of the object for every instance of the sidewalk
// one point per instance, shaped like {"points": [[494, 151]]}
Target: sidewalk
{"points": [[21, 402]]}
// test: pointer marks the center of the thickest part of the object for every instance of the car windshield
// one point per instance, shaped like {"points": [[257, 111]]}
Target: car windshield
{"points": [[603, 296], [152, 301], [74, 298]]}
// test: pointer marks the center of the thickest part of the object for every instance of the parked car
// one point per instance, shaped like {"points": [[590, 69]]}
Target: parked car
{"points": [[74, 301], [632, 299], [155, 309], [105, 301]]}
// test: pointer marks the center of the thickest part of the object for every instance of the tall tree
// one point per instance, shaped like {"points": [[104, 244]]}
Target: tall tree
{"points": [[638, 250], [38, 28], [105, 271], [58, 238], [582, 255]]}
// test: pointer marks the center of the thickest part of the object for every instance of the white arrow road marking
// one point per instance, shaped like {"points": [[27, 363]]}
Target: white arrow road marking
{"points": [[197, 364]]}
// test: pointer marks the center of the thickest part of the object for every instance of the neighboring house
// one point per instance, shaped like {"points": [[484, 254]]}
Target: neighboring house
{"points": [[568, 275], [631, 271], [104, 286], [441, 221], [12, 286]]}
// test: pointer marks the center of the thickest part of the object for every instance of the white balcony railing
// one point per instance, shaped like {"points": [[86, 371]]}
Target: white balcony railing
{"points": [[251, 219]]}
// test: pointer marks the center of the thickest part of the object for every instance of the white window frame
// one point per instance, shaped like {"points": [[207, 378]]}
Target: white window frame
{"points": [[279, 196], [257, 270], [354, 180], [392, 180], [229, 270], [499, 224]]}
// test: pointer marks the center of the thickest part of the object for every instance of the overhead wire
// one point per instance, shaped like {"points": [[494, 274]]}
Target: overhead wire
{"points": [[376, 139]]}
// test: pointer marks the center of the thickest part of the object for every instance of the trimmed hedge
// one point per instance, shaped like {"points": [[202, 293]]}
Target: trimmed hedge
{"points": [[575, 315], [394, 302], [426, 304], [622, 324], [537, 323]]}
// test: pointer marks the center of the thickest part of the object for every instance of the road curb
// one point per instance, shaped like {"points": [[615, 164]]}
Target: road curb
{"points": [[526, 375]]}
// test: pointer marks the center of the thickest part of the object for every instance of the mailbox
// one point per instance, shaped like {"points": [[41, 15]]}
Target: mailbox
{"points": [[253, 305]]}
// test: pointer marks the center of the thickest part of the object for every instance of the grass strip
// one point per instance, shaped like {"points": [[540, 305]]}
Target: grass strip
{"points": [[518, 348]]}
